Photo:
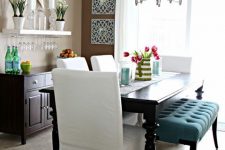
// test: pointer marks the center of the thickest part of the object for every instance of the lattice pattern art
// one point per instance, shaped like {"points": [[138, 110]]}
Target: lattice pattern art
{"points": [[103, 6], [102, 31]]}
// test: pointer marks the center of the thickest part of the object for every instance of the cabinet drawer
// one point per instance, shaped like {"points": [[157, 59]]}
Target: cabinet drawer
{"points": [[48, 81], [34, 82]]}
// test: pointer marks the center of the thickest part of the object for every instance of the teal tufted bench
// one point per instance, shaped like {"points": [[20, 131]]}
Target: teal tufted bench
{"points": [[186, 121]]}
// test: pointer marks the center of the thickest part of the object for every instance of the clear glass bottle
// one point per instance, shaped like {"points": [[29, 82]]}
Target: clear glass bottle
{"points": [[41, 20], [31, 20]]}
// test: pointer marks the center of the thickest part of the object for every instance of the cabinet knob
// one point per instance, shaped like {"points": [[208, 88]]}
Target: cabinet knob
{"points": [[35, 82], [45, 107]]}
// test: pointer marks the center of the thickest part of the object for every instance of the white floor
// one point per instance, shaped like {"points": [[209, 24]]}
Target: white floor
{"points": [[42, 141]]}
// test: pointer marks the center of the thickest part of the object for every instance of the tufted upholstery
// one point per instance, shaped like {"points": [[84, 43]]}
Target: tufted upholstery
{"points": [[186, 120]]}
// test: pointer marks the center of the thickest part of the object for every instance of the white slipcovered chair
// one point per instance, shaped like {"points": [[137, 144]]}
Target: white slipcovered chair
{"points": [[104, 63], [107, 63], [89, 112], [77, 63], [176, 64]]}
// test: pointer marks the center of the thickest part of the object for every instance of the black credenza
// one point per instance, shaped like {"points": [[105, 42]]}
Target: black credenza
{"points": [[23, 109]]}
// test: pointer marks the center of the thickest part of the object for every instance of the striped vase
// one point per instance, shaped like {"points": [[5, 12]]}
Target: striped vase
{"points": [[143, 70]]}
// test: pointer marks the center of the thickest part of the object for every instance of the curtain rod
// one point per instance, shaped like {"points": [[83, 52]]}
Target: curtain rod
{"points": [[158, 2]]}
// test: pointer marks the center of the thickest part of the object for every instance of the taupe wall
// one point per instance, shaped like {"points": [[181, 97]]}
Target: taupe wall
{"points": [[40, 57], [89, 49]]}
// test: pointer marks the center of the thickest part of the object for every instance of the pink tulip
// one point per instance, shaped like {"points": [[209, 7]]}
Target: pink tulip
{"points": [[154, 49], [146, 49], [139, 58], [133, 59], [157, 57], [126, 54]]}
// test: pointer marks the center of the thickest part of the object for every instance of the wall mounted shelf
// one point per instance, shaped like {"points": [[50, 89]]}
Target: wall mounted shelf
{"points": [[36, 32]]}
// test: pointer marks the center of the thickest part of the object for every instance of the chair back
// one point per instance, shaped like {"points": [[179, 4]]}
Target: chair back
{"points": [[104, 63], [89, 110], [176, 64], [77, 63]]}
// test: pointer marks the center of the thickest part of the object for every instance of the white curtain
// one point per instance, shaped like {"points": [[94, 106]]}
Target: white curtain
{"points": [[208, 46], [126, 26], [208, 38]]}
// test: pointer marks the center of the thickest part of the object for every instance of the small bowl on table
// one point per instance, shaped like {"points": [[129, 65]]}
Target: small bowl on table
{"points": [[26, 67]]}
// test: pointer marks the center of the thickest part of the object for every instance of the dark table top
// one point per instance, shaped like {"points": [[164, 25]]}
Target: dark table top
{"points": [[156, 92], [162, 90]]}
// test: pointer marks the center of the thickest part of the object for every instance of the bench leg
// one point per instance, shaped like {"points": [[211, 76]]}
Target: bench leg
{"points": [[214, 129], [23, 140], [193, 146]]}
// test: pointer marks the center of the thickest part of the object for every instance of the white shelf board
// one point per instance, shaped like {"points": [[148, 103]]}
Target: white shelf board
{"points": [[36, 32]]}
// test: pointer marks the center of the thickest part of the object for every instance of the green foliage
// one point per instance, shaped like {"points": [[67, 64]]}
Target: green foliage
{"points": [[146, 55], [64, 11], [18, 5], [61, 9], [21, 6], [14, 7]]}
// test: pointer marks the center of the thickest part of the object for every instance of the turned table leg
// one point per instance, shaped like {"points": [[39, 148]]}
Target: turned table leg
{"points": [[200, 91], [150, 125], [23, 139], [55, 135]]}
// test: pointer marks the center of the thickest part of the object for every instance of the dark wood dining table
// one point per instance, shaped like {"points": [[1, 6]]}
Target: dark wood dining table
{"points": [[148, 100]]}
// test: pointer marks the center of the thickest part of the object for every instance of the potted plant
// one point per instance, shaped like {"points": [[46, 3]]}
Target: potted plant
{"points": [[21, 6], [18, 20], [14, 7], [61, 9]]}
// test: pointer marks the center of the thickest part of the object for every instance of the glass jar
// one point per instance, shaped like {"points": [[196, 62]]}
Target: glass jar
{"points": [[125, 73], [41, 20], [31, 20], [156, 67]]}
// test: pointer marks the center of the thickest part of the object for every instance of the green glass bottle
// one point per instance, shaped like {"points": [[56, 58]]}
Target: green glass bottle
{"points": [[16, 61], [8, 61], [13, 51]]}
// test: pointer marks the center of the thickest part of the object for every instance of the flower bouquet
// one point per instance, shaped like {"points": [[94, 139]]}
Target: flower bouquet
{"points": [[143, 59]]}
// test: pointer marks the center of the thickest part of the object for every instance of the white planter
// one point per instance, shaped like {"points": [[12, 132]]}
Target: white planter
{"points": [[18, 22], [60, 25]]}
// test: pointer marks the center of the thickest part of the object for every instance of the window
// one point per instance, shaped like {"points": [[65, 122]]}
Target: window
{"points": [[166, 26]]}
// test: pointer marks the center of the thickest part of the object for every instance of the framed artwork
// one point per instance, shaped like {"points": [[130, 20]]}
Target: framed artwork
{"points": [[102, 31], [103, 7]]}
